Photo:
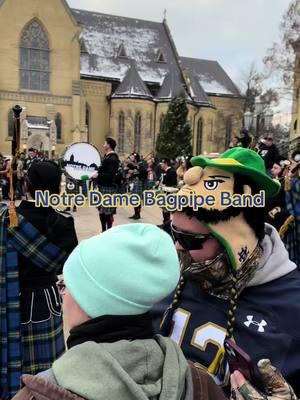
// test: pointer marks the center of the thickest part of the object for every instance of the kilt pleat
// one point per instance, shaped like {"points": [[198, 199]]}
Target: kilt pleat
{"points": [[138, 187], [42, 344], [149, 185], [107, 190]]}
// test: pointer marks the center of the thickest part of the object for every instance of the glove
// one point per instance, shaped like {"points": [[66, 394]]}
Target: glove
{"points": [[273, 382]]}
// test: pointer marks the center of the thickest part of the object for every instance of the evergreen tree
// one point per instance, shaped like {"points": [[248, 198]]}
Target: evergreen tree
{"points": [[175, 137]]}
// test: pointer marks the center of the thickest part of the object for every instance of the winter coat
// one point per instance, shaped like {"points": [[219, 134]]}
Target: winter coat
{"points": [[265, 321], [127, 370], [107, 171]]}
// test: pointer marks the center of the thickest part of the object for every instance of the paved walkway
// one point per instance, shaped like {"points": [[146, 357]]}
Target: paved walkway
{"points": [[88, 224]]}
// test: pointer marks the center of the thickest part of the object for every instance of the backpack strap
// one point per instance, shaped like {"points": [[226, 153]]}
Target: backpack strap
{"points": [[204, 386], [39, 388]]}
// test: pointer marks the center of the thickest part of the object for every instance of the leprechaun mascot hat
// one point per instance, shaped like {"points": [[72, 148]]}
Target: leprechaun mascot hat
{"points": [[234, 234], [244, 162], [237, 171]]}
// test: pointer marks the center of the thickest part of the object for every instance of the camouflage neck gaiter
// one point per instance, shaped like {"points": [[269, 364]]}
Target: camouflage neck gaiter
{"points": [[215, 276]]}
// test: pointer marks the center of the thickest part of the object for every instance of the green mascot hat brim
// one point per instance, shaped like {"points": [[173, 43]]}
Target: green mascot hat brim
{"points": [[243, 162]]}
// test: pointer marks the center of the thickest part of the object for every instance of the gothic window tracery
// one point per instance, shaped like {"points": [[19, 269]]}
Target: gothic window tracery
{"points": [[35, 58]]}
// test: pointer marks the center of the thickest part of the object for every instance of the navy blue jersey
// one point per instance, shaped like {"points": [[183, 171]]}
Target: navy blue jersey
{"points": [[267, 325]]}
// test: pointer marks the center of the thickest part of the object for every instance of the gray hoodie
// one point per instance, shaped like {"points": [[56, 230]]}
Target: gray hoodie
{"points": [[124, 370], [275, 261]]}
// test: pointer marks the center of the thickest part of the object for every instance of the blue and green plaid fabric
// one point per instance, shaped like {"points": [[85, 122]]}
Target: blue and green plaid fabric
{"points": [[138, 187], [292, 239], [107, 190], [28, 241]]}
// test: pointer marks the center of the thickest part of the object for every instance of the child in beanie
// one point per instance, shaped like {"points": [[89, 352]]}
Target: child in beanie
{"points": [[111, 282]]}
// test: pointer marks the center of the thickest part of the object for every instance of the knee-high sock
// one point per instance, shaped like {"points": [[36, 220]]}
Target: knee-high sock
{"points": [[103, 221], [166, 216], [137, 210], [109, 220]]}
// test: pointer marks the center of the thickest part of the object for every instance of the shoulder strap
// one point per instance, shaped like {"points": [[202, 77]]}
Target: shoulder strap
{"points": [[40, 388], [204, 386], [196, 382]]}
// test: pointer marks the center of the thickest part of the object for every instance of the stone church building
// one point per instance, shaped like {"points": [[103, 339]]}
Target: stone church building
{"points": [[81, 75]]}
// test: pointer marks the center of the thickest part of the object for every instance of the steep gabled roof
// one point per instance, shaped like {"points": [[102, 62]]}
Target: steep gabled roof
{"points": [[197, 92], [104, 34], [172, 86], [132, 85], [211, 76]]}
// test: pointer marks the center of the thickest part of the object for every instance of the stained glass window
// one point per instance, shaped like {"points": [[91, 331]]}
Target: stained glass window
{"points": [[10, 123], [137, 133], [121, 132], [162, 117], [199, 136], [34, 48], [58, 124], [228, 132]]}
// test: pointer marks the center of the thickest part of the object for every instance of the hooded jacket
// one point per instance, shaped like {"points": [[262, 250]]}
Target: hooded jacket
{"points": [[268, 311], [127, 370]]}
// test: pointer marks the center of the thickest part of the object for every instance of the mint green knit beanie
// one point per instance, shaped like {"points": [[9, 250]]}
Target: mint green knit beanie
{"points": [[124, 271]]}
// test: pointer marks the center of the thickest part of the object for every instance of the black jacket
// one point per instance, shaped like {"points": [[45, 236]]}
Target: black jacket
{"points": [[277, 201], [107, 171], [170, 178], [39, 296], [59, 229], [270, 155], [245, 141]]}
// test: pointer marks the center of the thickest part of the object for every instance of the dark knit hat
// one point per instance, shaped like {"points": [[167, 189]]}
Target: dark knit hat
{"points": [[44, 175]]}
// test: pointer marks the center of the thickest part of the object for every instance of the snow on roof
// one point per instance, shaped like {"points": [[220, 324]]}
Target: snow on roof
{"points": [[210, 76], [37, 126], [103, 34], [197, 92], [172, 86], [37, 122], [132, 85]]}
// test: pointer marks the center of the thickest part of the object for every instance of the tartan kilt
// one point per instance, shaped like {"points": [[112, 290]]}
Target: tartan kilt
{"points": [[149, 185], [138, 187], [42, 344], [107, 190]]}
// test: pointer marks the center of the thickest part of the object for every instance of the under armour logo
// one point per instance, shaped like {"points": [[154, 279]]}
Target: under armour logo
{"points": [[260, 325], [243, 254]]}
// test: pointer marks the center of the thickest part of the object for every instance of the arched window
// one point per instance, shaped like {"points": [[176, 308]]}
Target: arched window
{"points": [[137, 132], [228, 132], [10, 123], [121, 132], [34, 48], [58, 124], [150, 131], [199, 136], [88, 116], [161, 121]]}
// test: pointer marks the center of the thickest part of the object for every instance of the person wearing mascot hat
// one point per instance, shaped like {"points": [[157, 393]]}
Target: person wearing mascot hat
{"points": [[236, 278]]}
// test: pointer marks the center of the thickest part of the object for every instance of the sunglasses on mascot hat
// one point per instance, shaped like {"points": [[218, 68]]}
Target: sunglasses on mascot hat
{"points": [[189, 241]]}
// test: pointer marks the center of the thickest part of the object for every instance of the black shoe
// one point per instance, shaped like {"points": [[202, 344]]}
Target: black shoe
{"points": [[135, 217], [132, 217]]}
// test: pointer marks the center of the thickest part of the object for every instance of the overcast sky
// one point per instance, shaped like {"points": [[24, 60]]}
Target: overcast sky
{"points": [[233, 32]]}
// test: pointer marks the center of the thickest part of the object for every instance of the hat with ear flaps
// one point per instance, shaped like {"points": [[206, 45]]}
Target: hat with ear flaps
{"points": [[235, 234]]}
